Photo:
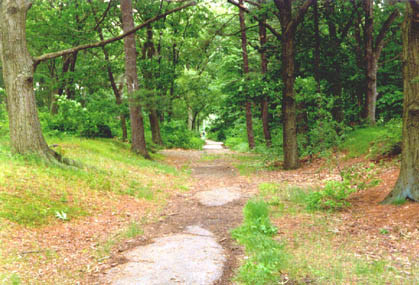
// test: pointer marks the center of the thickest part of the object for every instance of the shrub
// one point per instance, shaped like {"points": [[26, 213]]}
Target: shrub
{"points": [[388, 143], [94, 119], [332, 197], [176, 134], [266, 256]]}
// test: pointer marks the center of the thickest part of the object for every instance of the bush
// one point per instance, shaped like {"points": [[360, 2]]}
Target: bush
{"points": [[267, 257], [92, 120], [389, 143], [332, 197], [175, 134]]}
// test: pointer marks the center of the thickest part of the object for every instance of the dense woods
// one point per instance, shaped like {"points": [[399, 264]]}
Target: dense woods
{"points": [[93, 93], [305, 72]]}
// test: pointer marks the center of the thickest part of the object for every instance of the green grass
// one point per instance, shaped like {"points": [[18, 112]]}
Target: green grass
{"points": [[266, 256], [132, 230], [373, 140], [33, 191], [316, 252], [10, 279]]}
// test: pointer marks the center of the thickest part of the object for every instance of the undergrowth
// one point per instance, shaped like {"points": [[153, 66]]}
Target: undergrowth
{"points": [[266, 257]]}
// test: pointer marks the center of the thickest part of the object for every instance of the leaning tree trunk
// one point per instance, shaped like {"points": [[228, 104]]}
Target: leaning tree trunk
{"points": [[407, 185], [248, 105], [138, 143], [18, 71]]}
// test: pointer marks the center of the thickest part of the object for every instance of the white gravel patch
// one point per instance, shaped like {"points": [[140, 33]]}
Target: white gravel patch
{"points": [[193, 257], [218, 197]]}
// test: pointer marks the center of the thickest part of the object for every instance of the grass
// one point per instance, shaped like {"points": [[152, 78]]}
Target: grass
{"points": [[317, 251], [32, 192], [132, 230], [266, 257]]}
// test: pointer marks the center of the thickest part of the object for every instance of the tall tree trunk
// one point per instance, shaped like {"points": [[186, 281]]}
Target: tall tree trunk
{"points": [[316, 44], [371, 74], [264, 69], [148, 53], [136, 115], [372, 54], [25, 129], [249, 125], [289, 112], [335, 77], [116, 91], [407, 185], [69, 88]]}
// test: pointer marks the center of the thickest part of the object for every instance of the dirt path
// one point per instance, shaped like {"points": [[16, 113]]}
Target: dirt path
{"points": [[191, 243]]}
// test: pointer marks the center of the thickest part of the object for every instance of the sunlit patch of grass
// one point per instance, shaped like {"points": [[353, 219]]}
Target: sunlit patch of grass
{"points": [[319, 252], [210, 157], [12, 279], [359, 141], [33, 191]]}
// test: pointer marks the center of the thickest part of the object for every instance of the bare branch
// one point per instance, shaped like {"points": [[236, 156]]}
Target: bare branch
{"points": [[52, 55]]}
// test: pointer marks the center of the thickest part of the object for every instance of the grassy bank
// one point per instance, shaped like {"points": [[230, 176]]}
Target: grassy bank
{"points": [[46, 211]]}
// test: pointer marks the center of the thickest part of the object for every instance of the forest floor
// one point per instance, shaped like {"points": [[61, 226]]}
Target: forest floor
{"points": [[365, 243]]}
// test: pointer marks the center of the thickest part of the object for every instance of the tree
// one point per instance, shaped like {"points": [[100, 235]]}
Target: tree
{"points": [[264, 70], [248, 104], [373, 50], [18, 71], [407, 185], [138, 143], [289, 25]]}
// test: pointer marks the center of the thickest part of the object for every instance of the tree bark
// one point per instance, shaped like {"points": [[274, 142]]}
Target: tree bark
{"points": [[25, 129], [288, 27], [371, 75], [264, 69], [138, 143], [316, 44], [407, 185], [148, 53], [248, 105], [372, 54]]}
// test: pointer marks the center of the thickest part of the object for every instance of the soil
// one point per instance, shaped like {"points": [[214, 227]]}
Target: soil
{"points": [[186, 210], [363, 219]]}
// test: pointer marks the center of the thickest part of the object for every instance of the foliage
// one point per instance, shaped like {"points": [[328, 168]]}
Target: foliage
{"points": [[176, 134], [332, 197], [266, 256], [4, 123], [389, 143], [91, 120]]}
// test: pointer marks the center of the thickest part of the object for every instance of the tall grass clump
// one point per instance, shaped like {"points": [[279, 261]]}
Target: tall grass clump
{"points": [[266, 256]]}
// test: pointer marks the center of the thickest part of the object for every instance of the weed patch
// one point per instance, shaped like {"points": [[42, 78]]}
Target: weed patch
{"points": [[266, 256]]}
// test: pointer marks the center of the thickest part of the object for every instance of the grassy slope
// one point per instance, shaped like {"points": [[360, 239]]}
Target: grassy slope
{"points": [[32, 193], [318, 247]]}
